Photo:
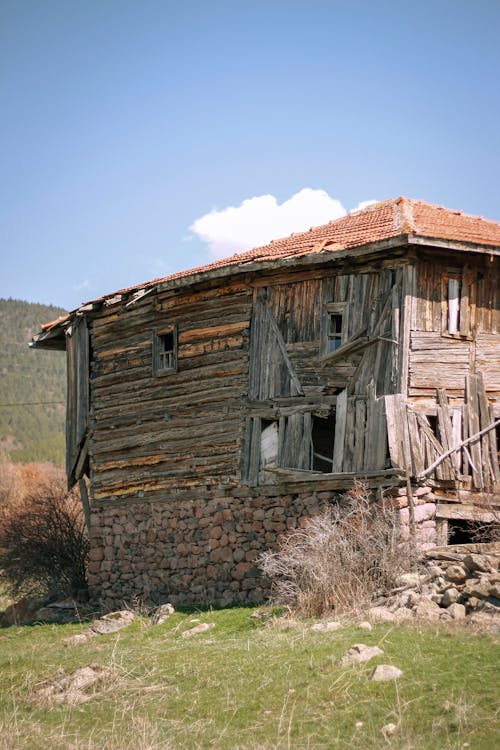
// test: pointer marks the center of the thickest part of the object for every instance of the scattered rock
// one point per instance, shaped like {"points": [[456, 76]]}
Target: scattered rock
{"points": [[450, 596], [427, 609], [382, 614], [482, 563], [201, 628], [360, 653], [456, 573], [162, 613], [113, 622], [403, 614], [457, 611], [76, 687], [477, 588], [365, 625], [389, 729], [411, 579], [259, 614], [384, 672], [326, 627]]}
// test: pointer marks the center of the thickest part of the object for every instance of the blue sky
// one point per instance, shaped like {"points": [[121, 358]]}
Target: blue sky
{"points": [[123, 123]]}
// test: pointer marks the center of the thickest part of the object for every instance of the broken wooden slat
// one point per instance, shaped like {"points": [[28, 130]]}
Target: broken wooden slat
{"points": [[340, 426]]}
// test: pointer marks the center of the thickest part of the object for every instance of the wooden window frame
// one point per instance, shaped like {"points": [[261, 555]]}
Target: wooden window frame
{"points": [[457, 320], [332, 309], [159, 350]]}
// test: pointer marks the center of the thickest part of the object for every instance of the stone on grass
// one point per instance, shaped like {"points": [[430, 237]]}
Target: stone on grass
{"points": [[360, 653], [201, 628], [382, 614], [389, 729], [78, 686], [112, 622], [365, 625], [326, 627], [384, 672], [162, 613]]}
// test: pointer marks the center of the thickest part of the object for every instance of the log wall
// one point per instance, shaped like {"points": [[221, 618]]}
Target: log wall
{"points": [[157, 433]]}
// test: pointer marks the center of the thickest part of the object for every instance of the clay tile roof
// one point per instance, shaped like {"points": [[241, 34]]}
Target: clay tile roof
{"points": [[397, 217]]}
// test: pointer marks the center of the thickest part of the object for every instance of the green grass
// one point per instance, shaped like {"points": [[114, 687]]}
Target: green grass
{"points": [[246, 684]]}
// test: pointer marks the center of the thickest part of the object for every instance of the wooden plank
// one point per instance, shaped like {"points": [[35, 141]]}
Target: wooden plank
{"points": [[393, 433], [340, 427], [418, 458], [360, 432], [380, 435], [465, 512], [282, 347], [494, 448], [474, 427]]}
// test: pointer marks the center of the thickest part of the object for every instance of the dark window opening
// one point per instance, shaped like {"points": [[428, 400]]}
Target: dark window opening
{"points": [[433, 424], [165, 351], [461, 531], [334, 335], [323, 433]]}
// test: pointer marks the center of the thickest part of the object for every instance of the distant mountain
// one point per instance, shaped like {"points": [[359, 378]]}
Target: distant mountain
{"points": [[32, 386]]}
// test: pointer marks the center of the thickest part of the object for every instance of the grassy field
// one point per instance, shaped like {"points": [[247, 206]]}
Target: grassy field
{"points": [[248, 684]]}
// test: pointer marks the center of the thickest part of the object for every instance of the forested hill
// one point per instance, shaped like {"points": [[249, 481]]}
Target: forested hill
{"points": [[32, 386]]}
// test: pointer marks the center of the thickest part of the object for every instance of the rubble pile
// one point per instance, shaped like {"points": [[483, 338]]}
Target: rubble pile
{"points": [[452, 583]]}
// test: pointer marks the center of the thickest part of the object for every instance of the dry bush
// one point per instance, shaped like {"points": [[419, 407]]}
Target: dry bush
{"points": [[342, 558], [43, 541]]}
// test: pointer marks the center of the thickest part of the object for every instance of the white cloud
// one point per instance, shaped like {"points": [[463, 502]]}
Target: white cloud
{"points": [[258, 220], [362, 205]]}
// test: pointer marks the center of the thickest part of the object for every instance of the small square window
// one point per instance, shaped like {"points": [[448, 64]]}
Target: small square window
{"points": [[165, 351]]}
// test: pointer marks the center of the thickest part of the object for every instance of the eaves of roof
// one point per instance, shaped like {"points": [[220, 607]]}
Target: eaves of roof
{"points": [[377, 228]]}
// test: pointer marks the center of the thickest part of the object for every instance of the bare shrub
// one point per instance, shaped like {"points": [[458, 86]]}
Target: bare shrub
{"points": [[43, 541], [340, 560]]}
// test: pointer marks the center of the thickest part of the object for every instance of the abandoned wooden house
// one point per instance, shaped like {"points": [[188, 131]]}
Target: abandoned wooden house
{"points": [[213, 410]]}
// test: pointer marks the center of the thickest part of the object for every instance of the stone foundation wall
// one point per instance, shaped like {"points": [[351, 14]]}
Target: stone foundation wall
{"points": [[204, 551], [424, 512]]}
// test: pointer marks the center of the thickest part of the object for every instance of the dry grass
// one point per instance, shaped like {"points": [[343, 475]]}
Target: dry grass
{"points": [[341, 560], [43, 542]]}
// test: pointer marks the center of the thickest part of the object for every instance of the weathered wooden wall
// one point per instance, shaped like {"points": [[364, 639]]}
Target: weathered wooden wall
{"points": [[438, 360], [153, 434]]}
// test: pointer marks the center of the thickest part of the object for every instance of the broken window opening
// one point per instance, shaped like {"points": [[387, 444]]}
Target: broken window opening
{"points": [[458, 290], [334, 327], [461, 531], [334, 338], [433, 424], [323, 432], [165, 351], [268, 443], [453, 299]]}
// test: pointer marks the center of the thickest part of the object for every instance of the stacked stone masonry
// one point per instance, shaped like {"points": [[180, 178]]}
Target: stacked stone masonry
{"points": [[203, 551]]}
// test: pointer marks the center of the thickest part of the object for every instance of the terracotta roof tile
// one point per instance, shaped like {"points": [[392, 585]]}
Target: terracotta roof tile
{"points": [[380, 221]]}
